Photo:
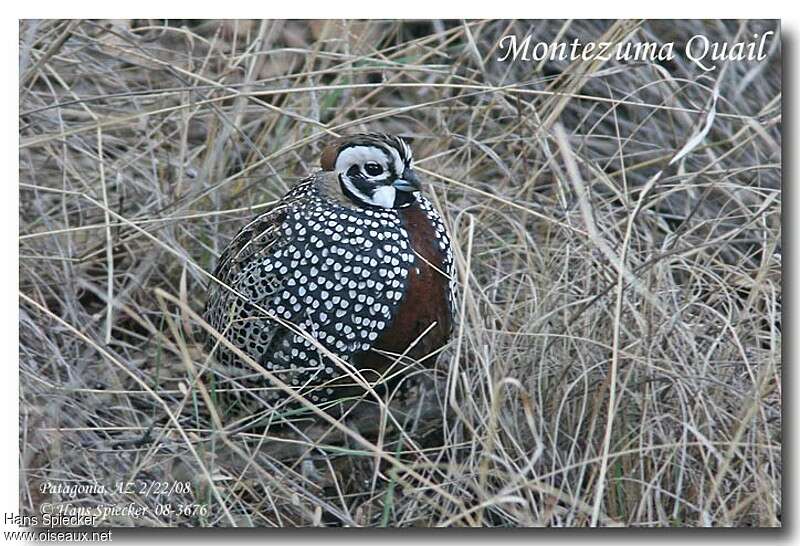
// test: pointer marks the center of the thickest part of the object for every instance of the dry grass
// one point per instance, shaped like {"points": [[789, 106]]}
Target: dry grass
{"points": [[617, 359]]}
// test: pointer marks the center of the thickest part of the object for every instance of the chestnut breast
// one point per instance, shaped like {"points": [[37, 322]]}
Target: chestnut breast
{"points": [[425, 302]]}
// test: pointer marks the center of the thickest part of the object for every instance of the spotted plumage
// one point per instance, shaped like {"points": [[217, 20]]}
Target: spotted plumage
{"points": [[354, 257]]}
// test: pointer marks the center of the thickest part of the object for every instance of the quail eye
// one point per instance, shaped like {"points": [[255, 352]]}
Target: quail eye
{"points": [[373, 169]]}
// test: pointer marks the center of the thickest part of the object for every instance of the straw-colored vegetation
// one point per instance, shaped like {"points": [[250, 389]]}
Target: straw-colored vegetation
{"points": [[617, 356]]}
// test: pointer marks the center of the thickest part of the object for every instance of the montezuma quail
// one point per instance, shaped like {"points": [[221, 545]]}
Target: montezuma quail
{"points": [[353, 256]]}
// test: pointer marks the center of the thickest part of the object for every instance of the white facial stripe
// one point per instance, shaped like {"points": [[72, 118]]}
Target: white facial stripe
{"points": [[407, 150], [383, 196], [399, 166], [380, 177], [355, 191], [359, 155]]}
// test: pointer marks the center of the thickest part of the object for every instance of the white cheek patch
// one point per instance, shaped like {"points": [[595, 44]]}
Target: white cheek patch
{"points": [[383, 197]]}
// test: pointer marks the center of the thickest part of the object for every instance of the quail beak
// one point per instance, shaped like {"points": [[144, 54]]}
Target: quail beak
{"points": [[409, 182]]}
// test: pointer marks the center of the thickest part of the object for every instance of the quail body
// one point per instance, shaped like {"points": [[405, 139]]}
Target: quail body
{"points": [[353, 259]]}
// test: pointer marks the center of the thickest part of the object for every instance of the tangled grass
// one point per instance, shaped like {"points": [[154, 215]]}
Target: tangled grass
{"points": [[617, 357]]}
